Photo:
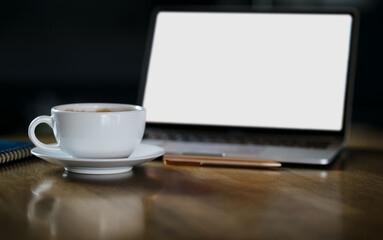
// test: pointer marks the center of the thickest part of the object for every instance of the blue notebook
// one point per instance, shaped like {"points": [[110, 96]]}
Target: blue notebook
{"points": [[11, 150]]}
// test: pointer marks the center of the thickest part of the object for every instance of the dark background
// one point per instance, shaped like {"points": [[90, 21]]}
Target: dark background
{"points": [[65, 51]]}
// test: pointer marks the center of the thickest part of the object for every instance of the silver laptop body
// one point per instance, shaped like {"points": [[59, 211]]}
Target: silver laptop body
{"points": [[271, 85]]}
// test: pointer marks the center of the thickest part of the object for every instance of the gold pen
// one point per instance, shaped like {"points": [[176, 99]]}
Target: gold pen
{"points": [[215, 159]]}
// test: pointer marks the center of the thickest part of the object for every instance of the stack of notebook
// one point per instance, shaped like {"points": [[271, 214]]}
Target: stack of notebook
{"points": [[11, 150]]}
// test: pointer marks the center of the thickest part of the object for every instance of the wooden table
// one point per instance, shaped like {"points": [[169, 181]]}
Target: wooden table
{"points": [[38, 200]]}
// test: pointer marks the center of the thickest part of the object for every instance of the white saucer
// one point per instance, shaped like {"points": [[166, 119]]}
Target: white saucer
{"points": [[143, 153]]}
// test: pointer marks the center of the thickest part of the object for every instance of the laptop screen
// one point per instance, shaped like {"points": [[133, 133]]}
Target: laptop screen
{"points": [[263, 70]]}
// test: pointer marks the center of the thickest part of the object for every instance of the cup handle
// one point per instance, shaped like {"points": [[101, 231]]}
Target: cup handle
{"points": [[32, 136]]}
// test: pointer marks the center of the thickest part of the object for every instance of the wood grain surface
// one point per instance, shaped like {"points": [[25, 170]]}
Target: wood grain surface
{"points": [[39, 200]]}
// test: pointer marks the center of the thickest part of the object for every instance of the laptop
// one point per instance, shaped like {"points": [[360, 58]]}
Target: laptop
{"points": [[261, 84]]}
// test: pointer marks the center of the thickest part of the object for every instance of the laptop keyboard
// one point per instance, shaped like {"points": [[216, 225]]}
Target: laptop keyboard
{"points": [[234, 138]]}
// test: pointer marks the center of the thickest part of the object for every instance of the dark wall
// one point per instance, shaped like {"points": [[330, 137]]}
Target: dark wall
{"points": [[56, 51]]}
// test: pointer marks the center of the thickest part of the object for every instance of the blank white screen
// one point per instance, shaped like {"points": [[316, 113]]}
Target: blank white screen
{"points": [[249, 69]]}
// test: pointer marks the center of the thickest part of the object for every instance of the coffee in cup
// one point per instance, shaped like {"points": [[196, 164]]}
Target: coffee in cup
{"points": [[93, 130]]}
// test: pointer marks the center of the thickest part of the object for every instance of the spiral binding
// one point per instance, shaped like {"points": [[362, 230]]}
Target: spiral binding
{"points": [[15, 154]]}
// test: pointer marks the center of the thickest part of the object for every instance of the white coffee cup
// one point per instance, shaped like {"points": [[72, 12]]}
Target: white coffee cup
{"points": [[93, 130]]}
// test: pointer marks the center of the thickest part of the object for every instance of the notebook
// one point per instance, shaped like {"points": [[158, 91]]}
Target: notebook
{"points": [[13, 150], [261, 84]]}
